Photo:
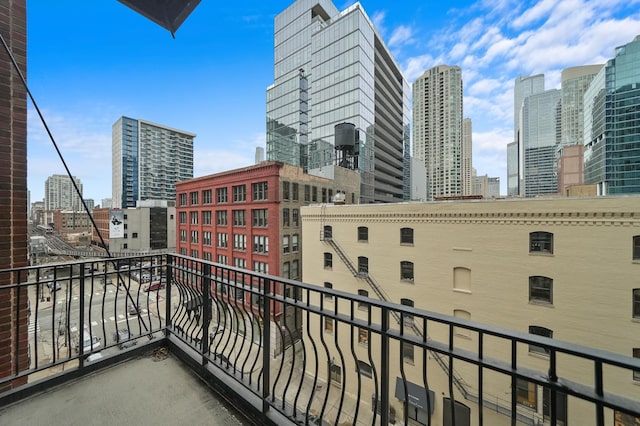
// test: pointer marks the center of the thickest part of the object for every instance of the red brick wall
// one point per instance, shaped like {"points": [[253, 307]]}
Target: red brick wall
{"points": [[13, 185]]}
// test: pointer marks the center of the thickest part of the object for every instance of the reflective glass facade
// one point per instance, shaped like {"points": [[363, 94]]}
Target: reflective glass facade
{"points": [[541, 137], [612, 155], [325, 74], [147, 160]]}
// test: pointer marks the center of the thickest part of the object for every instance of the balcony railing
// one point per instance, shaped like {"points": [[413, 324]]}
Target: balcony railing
{"points": [[292, 352]]}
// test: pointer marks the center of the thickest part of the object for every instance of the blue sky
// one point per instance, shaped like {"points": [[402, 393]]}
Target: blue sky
{"points": [[91, 62]]}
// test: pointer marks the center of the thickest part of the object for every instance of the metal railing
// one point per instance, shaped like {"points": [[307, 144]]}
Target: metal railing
{"points": [[305, 354]]}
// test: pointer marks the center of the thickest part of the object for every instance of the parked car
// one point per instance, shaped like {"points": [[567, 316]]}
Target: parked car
{"points": [[54, 285], [89, 343], [155, 285], [122, 336]]}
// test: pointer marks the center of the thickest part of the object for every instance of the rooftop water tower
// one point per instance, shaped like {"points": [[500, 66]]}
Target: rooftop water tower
{"points": [[346, 145]]}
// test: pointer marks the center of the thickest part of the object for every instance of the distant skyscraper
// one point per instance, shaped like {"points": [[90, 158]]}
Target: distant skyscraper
{"points": [[467, 157], [332, 67], [612, 124], [259, 155], [437, 129], [575, 82], [513, 176], [60, 194], [523, 87], [540, 139], [147, 160]]}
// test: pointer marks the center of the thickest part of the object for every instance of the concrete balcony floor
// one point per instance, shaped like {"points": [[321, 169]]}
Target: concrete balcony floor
{"points": [[149, 390]]}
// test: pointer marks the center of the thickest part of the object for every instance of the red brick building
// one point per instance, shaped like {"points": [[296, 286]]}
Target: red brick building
{"points": [[250, 217]]}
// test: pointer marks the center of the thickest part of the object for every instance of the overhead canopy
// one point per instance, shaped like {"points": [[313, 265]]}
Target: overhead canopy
{"points": [[169, 14], [417, 395]]}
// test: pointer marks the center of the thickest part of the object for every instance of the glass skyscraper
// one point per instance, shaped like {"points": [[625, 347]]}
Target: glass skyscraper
{"points": [[147, 160], [330, 68], [612, 124], [541, 137]]}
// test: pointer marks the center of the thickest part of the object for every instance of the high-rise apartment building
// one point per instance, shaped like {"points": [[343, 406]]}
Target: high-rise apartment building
{"points": [[437, 129], [60, 193], [523, 87], [540, 139], [332, 67], [147, 161], [575, 82], [612, 124], [467, 157]]}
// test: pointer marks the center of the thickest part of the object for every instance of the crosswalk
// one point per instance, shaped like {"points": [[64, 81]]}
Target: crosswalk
{"points": [[34, 326]]}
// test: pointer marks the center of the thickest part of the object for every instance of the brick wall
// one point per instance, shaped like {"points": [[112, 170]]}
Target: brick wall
{"points": [[13, 186]]}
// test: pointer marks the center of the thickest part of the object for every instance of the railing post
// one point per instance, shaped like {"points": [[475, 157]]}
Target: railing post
{"points": [[384, 371], [206, 309], [167, 307], [266, 350], [81, 319]]}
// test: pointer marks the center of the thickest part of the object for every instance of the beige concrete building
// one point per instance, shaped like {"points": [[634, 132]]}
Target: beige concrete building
{"points": [[563, 268]]}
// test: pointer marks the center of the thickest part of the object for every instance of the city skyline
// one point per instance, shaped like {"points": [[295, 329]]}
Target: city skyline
{"points": [[204, 82]]}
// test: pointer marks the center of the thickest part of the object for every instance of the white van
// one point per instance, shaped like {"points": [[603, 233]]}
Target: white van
{"points": [[90, 343]]}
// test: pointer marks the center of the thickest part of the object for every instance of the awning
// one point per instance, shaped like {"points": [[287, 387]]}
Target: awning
{"points": [[417, 395]]}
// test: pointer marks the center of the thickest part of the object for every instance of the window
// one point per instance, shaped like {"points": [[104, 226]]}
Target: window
{"points": [[221, 195], [307, 193], [406, 271], [294, 192], [364, 369], [295, 269], [363, 336], [239, 242], [183, 250], [540, 289], [526, 393], [561, 406], [285, 244], [194, 198], [407, 352], [407, 319], [223, 240], [636, 302], [328, 325], [206, 217], [194, 237], [328, 285], [261, 267], [285, 190], [539, 331], [194, 253], [295, 213], [259, 191], [206, 238], [183, 199], [261, 244], [285, 217], [363, 234], [328, 261], [314, 194], [327, 232], [363, 266], [194, 217], [239, 193], [183, 235], [636, 373], [406, 236], [324, 195], [286, 270], [240, 262], [259, 218], [207, 197], [207, 256], [335, 372], [465, 315], [183, 218], [134, 235], [221, 218], [363, 293], [222, 259], [239, 218], [541, 242]]}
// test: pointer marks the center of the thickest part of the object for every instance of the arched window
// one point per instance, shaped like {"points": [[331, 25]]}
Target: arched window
{"points": [[541, 242], [636, 247], [540, 331], [462, 278], [406, 236], [406, 271], [363, 234], [327, 232], [328, 260], [540, 289], [363, 266], [407, 318]]}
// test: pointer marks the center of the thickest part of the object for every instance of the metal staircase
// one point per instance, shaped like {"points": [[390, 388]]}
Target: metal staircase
{"points": [[327, 238]]}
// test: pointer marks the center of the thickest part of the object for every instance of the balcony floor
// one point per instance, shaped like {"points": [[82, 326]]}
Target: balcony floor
{"points": [[148, 390]]}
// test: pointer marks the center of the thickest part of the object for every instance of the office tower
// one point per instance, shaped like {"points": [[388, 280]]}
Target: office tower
{"points": [[60, 193], [540, 138], [575, 82], [513, 177], [467, 157], [147, 161], [437, 129], [259, 155], [611, 127], [332, 67], [523, 87]]}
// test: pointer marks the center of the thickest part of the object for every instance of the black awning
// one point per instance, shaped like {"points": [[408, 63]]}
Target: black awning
{"points": [[169, 14], [417, 395]]}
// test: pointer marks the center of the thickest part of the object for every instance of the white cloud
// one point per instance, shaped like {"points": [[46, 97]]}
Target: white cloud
{"points": [[417, 65], [402, 35], [378, 21]]}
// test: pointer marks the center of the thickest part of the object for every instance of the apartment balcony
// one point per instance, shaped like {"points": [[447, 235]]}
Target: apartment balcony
{"points": [[193, 342]]}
